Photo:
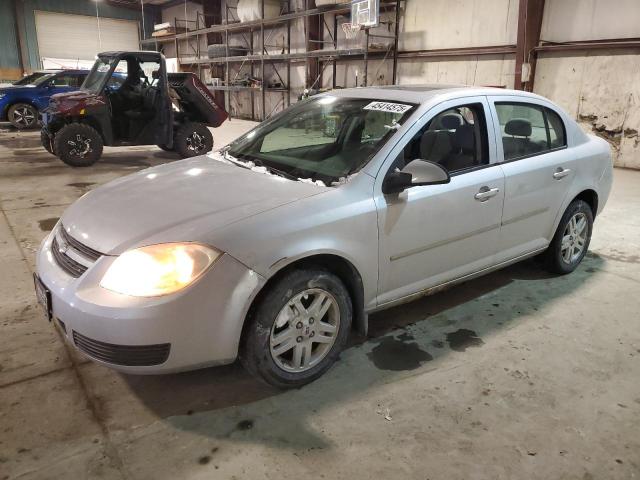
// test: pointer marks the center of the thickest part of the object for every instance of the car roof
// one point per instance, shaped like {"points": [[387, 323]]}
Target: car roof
{"points": [[426, 92]]}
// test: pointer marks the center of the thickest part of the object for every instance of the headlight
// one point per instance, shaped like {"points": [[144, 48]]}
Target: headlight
{"points": [[158, 269], [2, 95]]}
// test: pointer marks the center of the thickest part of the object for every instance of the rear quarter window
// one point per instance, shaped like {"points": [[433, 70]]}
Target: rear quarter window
{"points": [[528, 129]]}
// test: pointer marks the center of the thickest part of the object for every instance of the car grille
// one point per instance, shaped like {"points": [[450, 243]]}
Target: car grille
{"points": [[74, 257], [65, 262], [126, 355], [88, 252]]}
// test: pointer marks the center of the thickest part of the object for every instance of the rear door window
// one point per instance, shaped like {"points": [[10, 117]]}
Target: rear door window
{"points": [[528, 129]]}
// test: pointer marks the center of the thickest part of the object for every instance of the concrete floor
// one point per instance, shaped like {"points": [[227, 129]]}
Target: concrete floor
{"points": [[515, 375]]}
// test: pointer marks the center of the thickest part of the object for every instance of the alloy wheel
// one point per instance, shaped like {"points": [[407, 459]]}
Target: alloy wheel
{"points": [[80, 146], [304, 330], [24, 116], [574, 238], [195, 142]]}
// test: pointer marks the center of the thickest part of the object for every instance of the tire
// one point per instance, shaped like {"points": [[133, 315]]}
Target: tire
{"points": [[193, 139], [23, 116], [259, 353], [571, 240], [78, 145], [46, 142], [165, 148]]}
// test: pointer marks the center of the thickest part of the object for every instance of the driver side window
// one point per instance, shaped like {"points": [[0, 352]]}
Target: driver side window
{"points": [[455, 138]]}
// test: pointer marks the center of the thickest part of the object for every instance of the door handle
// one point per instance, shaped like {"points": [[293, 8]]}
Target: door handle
{"points": [[561, 173], [486, 193]]}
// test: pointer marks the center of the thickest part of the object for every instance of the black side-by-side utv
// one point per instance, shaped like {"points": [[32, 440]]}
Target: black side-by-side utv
{"points": [[129, 99]]}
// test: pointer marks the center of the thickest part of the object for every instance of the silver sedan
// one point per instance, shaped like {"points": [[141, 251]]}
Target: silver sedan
{"points": [[274, 248]]}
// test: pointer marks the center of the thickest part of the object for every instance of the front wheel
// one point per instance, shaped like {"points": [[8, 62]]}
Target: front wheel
{"points": [[571, 240], [78, 145], [193, 139], [22, 116], [298, 329]]}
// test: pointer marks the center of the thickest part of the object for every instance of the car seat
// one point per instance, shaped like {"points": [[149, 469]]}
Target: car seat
{"points": [[463, 152], [519, 142]]}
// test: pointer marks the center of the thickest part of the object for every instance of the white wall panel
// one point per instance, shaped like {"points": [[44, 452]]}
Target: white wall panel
{"points": [[573, 20], [65, 36], [602, 92], [434, 24]]}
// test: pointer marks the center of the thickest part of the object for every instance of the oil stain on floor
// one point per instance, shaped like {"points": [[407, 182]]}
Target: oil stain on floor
{"points": [[47, 224], [398, 354], [461, 339]]}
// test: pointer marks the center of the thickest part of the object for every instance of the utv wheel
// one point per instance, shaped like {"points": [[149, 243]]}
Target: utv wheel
{"points": [[46, 142], [193, 139], [571, 240], [298, 329], [165, 148], [78, 145], [22, 115]]}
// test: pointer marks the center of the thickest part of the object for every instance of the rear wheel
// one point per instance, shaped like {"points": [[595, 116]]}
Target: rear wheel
{"points": [[46, 142], [193, 139], [23, 115], [298, 329], [571, 240], [78, 145]]}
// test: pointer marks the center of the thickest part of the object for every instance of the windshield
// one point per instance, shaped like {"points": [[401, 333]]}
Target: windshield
{"points": [[43, 79], [96, 77], [323, 139], [29, 79]]}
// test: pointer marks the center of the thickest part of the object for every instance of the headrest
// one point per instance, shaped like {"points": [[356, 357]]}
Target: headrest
{"points": [[464, 138], [519, 127], [450, 121]]}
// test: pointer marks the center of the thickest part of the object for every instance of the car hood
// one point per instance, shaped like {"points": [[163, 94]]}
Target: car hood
{"points": [[186, 200], [18, 89]]}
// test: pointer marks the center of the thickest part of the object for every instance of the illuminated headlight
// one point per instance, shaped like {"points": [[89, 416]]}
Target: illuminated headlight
{"points": [[2, 95], [158, 269]]}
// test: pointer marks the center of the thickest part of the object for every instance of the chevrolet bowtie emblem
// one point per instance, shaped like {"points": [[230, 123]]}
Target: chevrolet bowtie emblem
{"points": [[63, 247]]}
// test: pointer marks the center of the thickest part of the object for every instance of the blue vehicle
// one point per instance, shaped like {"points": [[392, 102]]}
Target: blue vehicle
{"points": [[21, 104]]}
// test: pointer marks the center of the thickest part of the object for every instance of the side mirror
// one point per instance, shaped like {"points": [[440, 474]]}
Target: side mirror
{"points": [[416, 173]]}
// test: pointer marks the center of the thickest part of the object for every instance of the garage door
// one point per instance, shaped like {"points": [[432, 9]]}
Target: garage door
{"points": [[75, 37]]}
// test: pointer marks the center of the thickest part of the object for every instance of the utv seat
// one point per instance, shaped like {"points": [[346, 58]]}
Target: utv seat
{"points": [[147, 110]]}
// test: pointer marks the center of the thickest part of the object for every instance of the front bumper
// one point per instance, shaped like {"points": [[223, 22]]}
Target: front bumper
{"points": [[197, 327]]}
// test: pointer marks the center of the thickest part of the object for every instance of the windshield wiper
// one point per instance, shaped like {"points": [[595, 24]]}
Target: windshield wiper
{"points": [[235, 161], [257, 163], [280, 173]]}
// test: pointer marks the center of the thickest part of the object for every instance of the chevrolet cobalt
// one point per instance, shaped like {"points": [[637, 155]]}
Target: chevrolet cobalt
{"points": [[274, 248]]}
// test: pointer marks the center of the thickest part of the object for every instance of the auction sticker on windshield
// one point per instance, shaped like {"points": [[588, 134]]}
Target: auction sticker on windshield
{"points": [[388, 107]]}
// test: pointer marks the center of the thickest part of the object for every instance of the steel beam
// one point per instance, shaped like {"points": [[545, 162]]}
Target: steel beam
{"points": [[529, 24]]}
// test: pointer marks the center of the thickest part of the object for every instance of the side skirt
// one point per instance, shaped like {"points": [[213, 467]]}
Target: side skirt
{"points": [[455, 281]]}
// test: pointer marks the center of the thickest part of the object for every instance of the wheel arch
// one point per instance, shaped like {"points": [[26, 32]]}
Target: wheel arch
{"points": [[590, 197], [344, 269], [27, 101]]}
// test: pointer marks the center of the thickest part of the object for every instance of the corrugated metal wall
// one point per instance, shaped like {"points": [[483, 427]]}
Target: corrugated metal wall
{"points": [[9, 54]]}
